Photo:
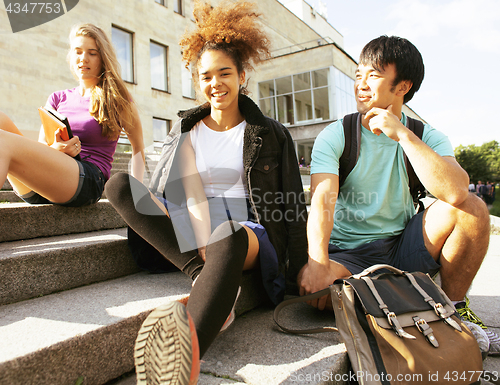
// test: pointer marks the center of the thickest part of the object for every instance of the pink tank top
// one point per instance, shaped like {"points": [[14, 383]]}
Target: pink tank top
{"points": [[96, 149]]}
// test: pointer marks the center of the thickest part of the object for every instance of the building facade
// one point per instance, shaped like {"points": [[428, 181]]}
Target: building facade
{"points": [[306, 85]]}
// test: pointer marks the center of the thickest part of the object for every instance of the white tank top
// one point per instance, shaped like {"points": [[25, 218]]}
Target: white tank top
{"points": [[219, 159]]}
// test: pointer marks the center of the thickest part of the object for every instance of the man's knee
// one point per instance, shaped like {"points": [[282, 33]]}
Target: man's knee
{"points": [[474, 209]]}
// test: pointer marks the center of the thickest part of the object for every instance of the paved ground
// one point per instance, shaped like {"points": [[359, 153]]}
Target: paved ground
{"points": [[250, 352], [484, 296]]}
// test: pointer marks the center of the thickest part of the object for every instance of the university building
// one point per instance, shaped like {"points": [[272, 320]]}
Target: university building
{"points": [[306, 85]]}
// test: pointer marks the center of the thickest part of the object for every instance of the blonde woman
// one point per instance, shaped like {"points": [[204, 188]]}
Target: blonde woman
{"points": [[98, 109]]}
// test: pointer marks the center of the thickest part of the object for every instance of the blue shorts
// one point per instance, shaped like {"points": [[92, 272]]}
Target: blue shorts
{"points": [[272, 278], [240, 211], [89, 190], [406, 251]]}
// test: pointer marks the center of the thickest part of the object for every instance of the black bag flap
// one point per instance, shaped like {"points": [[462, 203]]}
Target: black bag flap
{"points": [[397, 293]]}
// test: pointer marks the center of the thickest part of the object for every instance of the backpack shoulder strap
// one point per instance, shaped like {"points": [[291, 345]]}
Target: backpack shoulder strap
{"points": [[417, 189], [350, 155]]}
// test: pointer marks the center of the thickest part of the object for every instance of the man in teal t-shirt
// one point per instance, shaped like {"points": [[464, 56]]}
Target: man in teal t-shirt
{"points": [[372, 219]]}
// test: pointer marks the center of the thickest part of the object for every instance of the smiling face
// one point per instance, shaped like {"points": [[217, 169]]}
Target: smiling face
{"points": [[219, 80], [375, 88], [85, 60]]}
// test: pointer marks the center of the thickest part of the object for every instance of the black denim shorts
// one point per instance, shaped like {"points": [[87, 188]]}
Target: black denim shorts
{"points": [[89, 190], [406, 251]]}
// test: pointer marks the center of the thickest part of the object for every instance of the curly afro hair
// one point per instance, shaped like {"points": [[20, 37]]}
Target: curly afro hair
{"points": [[230, 27]]}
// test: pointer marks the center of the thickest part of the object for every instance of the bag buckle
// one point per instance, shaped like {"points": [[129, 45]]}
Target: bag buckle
{"points": [[441, 312], [396, 326], [426, 330]]}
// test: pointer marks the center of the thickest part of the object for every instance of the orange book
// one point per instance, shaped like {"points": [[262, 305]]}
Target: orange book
{"points": [[52, 121]]}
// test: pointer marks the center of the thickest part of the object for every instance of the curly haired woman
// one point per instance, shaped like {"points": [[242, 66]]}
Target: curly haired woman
{"points": [[226, 197], [96, 110]]}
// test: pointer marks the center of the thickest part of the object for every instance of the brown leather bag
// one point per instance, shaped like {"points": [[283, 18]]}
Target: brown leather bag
{"points": [[399, 328]]}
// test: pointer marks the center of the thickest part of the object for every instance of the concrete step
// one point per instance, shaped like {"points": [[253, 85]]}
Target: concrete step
{"points": [[6, 186], [254, 351], [89, 332], [9, 196], [20, 221], [42, 266]]}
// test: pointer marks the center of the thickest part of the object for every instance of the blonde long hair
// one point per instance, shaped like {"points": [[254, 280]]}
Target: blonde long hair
{"points": [[110, 101]]}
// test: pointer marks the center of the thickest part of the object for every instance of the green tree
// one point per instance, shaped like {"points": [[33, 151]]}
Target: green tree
{"points": [[480, 162], [472, 160], [491, 151]]}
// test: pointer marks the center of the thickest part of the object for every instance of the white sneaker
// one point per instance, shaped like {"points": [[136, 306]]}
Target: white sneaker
{"points": [[166, 351], [480, 336]]}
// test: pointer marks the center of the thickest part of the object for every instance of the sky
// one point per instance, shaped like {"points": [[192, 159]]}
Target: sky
{"points": [[460, 43]]}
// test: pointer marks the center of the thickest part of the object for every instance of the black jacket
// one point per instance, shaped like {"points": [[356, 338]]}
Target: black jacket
{"points": [[272, 179]]}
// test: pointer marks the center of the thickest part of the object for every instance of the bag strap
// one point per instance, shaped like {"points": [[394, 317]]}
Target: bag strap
{"points": [[352, 136], [438, 307], [491, 377], [304, 298], [350, 155], [374, 268], [391, 316], [417, 189]]}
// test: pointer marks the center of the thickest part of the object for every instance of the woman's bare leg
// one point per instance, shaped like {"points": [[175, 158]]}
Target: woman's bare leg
{"points": [[33, 166], [253, 250], [7, 125]]}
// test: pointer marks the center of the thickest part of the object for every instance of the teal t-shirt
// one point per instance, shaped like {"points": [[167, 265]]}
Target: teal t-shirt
{"points": [[374, 202]]}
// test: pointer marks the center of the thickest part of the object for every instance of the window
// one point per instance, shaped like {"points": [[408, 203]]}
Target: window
{"points": [[178, 6], [159, 73], [123, 42], [162, 2], [161, 127], [187, 83], [311, 96], [345, 103]]}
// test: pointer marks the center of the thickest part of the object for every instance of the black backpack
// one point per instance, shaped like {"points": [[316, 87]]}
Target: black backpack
{"points": [[352, 134]]}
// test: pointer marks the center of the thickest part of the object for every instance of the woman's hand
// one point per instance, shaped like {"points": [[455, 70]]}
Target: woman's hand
{"points": [[70, 147]]}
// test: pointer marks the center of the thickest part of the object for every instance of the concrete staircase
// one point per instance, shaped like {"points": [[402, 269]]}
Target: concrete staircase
{"points": [[72, 301]]}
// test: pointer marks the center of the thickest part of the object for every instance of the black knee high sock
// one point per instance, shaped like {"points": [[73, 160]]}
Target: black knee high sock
{"points": [[155, 227], [215, 290]]}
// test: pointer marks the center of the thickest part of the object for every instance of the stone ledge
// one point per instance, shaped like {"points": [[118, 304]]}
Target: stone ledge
{"points": [[20, 221], [43, 266], [89, 331], [9, 196]]}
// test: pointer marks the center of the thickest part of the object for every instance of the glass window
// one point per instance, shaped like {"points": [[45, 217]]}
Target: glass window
{"points": [[345, 102], [267, 107], [307, 97], [161, 127], [285, 109], [321, 104], [178, 6], [266, 89], [320, 78], [159, 75], [303, 105], [123, 42], [284, 85], [188, 90], [162, 2], [302, 81]]}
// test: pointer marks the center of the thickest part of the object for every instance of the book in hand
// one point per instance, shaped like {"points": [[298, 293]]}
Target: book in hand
{"points": [[53, 121]]}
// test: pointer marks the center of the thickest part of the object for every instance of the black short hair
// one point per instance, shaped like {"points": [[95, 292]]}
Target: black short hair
{"points": [[399, 51]]}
